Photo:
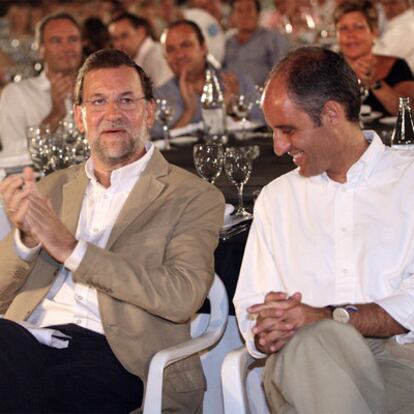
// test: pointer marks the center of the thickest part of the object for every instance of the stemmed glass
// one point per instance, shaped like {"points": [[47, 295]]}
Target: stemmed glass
{"points": [[238, 167], [164, 114], [242, 104], [208, 160]]}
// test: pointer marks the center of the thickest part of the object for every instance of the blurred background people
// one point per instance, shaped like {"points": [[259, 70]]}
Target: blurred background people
{"points": [[95, 36], [186, 53], [132, 35], [252, 49], [397, 38], [45, 99], [386, 77]]}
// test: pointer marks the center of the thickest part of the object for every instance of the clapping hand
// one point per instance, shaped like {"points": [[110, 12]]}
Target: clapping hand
{"points": [[33, 215]]}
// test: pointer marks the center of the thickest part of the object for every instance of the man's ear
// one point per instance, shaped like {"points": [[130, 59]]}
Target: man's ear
{"points": [[332, 112], [77, 113], [150, 109]]}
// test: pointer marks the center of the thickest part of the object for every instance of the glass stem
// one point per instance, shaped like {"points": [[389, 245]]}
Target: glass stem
{"points": [[243, 128], [167, 145], [240, 194]]}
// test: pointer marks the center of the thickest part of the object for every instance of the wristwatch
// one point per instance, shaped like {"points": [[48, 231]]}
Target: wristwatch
{"points": [[343, 313]]}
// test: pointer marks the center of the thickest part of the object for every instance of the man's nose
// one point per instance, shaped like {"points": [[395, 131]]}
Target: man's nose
{"points": [[281, 143], [112, 109]]}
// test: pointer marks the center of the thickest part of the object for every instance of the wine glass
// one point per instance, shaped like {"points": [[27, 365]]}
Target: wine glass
{"points": [[242, 104], [164, 114], [208, 160], [238, 167]]}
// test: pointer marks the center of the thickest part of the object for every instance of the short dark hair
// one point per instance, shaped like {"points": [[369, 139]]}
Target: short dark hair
{"points": [[314, 76], [257, 4], [106, 59], [40, 28], [194, 26], [135, 21], [366, 8]]}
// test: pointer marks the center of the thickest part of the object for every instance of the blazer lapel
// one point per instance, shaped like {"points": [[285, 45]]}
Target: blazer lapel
{"points": [[143, 194], [73, 193]]}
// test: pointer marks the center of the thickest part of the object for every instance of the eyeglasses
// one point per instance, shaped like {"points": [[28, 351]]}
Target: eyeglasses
{"points": [[358, 27], [125, 103]]}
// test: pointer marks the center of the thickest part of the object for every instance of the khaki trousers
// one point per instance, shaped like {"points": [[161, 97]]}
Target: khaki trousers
{"points": [[329, 368]]}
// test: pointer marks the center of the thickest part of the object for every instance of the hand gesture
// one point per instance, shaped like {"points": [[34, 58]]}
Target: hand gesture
{"points": [[15, 192], [279, 317]]}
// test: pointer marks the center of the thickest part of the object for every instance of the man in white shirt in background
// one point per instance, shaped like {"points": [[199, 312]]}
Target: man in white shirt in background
{"points": [[115, 254], [397, 39], [326, 288], [132, 35], [45, 99]]}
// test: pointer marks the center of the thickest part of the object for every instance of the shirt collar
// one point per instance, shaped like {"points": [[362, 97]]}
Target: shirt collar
{"points": [[363, 168], [123, 178]]}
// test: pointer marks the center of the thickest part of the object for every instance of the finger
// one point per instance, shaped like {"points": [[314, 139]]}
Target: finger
{"points": [[271, 324], [275, 296], [29, 178], [272, 337], [14, 185]]}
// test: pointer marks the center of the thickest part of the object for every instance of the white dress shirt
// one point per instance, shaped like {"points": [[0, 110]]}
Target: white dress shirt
{"points": [[21, 105], [151, 58], [335, 243], [398, 38], [67, 301]]}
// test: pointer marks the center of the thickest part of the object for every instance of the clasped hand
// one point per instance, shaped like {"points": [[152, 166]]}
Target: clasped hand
{"points": [[279, 317], [33, 215]]}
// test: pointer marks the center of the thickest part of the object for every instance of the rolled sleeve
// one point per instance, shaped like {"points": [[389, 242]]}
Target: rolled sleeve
{"points": [[400, 307]]}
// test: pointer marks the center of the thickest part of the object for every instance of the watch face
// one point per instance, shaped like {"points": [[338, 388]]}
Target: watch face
{"points": [[340, 315]]}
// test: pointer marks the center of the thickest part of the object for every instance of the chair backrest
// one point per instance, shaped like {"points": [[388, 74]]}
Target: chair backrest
{"points": [[219, 308]]}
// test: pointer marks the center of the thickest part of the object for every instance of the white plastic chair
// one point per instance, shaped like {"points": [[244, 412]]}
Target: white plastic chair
{"points": [[219, 309], [241, 384]]}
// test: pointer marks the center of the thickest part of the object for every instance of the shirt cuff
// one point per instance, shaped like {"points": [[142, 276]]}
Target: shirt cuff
{"points": [[400, 307], [25, 253], [74, 260]]}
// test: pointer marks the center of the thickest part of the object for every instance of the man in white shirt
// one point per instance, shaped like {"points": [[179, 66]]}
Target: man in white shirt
{"points": [[132, 35], [326, 288], [116, 254], [46, 99], [397, 39]]}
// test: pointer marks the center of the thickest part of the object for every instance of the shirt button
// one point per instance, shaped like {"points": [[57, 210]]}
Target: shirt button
{"points": [[344, 271], [79, 297], [78, 321], [343, 229]]}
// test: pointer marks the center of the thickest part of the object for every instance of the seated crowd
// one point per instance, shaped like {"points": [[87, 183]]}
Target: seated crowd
{"points": [[114, 256]]}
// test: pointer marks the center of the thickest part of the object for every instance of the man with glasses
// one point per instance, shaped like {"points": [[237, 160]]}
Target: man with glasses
{"points": [[116, 255], [398, 36], [45, 99]]}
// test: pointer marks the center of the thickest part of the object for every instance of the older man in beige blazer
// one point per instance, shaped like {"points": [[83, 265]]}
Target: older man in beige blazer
{"points": [[150, 277]]}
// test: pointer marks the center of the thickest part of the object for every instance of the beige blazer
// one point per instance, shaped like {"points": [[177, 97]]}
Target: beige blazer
{"points": [[151, 278]]}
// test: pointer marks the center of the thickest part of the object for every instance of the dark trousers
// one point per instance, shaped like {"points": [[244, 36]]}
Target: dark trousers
{"points": [[86, 377]]}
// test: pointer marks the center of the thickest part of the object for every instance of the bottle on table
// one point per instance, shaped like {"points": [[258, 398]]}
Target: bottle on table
{"points": [[213, 109], [403, 134]]}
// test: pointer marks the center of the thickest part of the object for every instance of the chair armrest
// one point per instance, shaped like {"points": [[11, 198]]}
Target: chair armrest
{"points": [[233, 378], [217, 324]]}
